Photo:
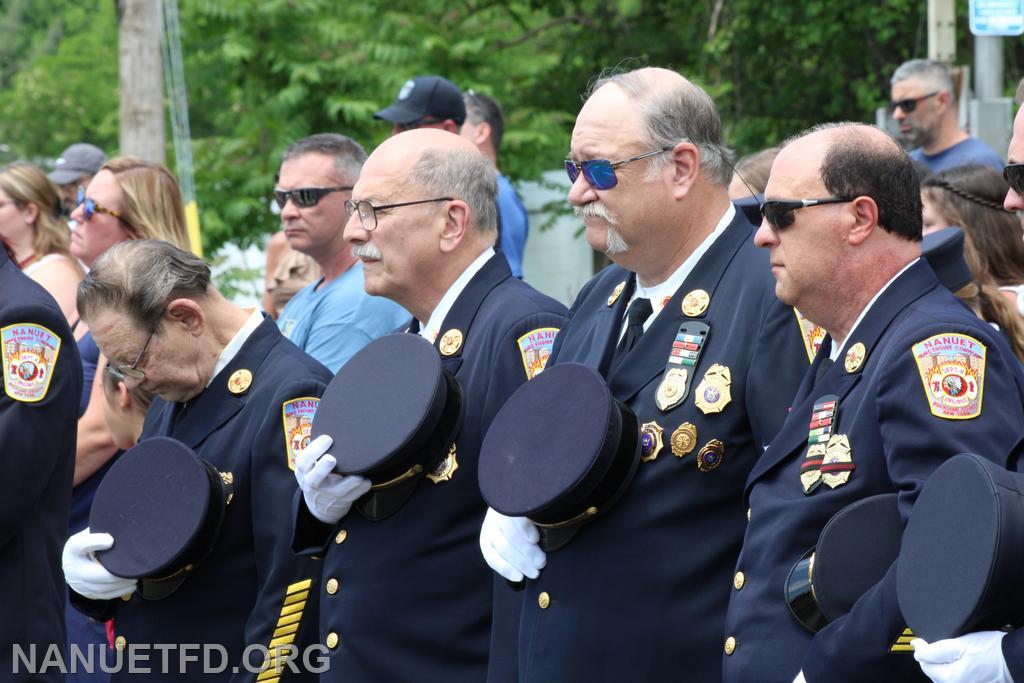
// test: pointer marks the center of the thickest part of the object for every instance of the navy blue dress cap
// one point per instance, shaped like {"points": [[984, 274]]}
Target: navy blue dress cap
{"points": [[392, 411], [560, 450], [425, 96], [944, 251], [962, 557], [854, 551], [163, 505]]}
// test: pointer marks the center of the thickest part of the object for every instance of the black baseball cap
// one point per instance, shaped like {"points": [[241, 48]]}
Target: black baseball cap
{"points": [[423, 96]]}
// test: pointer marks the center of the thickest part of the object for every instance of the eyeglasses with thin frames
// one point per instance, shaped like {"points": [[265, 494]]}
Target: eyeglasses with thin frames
{"points": [[779, 212], [910, 104], [123, 372], [600, 173], [368, 212]]}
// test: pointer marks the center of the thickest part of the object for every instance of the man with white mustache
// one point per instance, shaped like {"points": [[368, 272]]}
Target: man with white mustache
{"points": [[414, 602], [686, 330], [332, 318]]}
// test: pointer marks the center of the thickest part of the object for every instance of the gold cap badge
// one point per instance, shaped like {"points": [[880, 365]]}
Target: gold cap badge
{"points": [[451, 342], [855, 357], [239, 381], [696, 302], [616, 292]]}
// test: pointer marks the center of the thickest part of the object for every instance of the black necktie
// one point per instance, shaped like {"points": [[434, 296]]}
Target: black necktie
{"points": [[639, 311], [823, 367]]}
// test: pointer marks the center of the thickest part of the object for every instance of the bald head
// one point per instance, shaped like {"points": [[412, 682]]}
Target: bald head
{"points": [[856, 160]]}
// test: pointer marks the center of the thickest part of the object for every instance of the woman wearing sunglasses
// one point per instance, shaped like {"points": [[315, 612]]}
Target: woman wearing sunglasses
{"points": [[31, 226], [127, 199]]}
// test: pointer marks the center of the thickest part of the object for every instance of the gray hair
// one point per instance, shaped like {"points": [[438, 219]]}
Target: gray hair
{"points": [[462, 174], [928, 71], [671, 116], [348, 154], [482, 108], [139, 278]]}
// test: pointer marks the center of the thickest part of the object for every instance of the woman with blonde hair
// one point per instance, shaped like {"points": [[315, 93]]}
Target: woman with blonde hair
{"points": [[32, 228], [127, 199]]}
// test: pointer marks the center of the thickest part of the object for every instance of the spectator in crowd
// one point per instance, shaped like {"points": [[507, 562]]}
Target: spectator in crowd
{"points": [[1014, 171], [754, 169], [924, 105], [971, 197], [485, 128], [31, 226], [287, 272], [73, 169], [127, 199], [425, 102], [124, 409], [334, 317]]}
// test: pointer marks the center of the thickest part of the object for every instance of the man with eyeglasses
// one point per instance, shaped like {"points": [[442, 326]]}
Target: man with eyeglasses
{"points": [[411, 600], [905, 378], [924, 106], [233, 389], [686, 331], [425, 102], [331, 318]]}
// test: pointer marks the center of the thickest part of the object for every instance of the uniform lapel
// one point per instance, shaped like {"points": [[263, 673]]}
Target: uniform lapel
{"points": [[648, 358]]}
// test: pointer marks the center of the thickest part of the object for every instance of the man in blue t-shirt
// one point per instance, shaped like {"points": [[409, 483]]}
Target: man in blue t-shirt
{"points": [[332, 318], [924, 106], [484, 127]]}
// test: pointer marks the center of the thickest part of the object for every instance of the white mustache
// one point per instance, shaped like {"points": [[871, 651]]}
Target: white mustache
{"points": [[596, 210], [366, 250]]}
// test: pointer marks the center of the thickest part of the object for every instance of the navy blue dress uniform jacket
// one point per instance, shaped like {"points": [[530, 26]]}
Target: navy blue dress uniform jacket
{"points": [[896, 438], [38, 428], [640, 594], [249, 589], [413, 601]]}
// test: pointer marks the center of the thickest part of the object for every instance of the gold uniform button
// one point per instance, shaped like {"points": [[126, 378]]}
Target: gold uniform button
{"points": [[544, 600], [730, 645], [127, 597], [332, 640], [332, 586], [737, 581], [120, 643], [340, 538]]}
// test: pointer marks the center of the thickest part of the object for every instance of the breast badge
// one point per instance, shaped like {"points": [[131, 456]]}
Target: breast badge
{"points": [[535, 349], [824, 417], [710, 455], [682, 360], [952, 368], [695, 303], [445, 469], [713, 393], [837, 465], [683, 440], [650, 441], [29, 357], [298, 424]]}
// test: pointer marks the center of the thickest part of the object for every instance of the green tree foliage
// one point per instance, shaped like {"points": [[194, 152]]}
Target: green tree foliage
{"points": [[262, 74]]}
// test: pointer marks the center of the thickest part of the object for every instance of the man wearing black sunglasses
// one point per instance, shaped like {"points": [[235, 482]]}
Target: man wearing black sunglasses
{"points": [[686, 332], [333, 317], [924, 106], [842, 225]]}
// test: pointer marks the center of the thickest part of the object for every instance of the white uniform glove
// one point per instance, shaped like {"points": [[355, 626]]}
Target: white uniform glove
{"points": [[509, 545], [88, 577], [328, 496], [973, 658]]}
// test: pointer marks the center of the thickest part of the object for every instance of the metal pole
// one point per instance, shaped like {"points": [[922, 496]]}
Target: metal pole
{"points": [[988, 67]]}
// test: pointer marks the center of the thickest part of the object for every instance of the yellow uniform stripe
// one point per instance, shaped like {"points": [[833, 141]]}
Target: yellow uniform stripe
{"points": [[300, 586]]}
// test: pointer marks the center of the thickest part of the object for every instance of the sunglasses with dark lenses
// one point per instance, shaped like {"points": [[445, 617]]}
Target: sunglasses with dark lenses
{"points": [[90, 207], [1014, 174], [600, 173], [306, 197], [779, 212], [910, 104]]}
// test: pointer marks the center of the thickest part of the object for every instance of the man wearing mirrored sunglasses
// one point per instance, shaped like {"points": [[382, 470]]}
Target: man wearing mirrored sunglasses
{"points": [[333, 317], [924, 106], [686, 331], [895, 389]]}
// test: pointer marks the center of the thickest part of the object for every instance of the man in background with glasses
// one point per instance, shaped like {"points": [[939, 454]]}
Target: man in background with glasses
{"points": [[230, 387], [686, 331], [896, 387], [924, 106], [425, 102], [485, 127], [411, 600], [331, 318]]}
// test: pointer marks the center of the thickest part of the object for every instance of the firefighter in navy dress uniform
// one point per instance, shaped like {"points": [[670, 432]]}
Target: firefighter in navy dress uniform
{"points": [[42, 378], [239, 394]]}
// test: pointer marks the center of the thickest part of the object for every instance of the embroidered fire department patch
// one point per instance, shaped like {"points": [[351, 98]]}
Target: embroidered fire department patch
{"points": [[812, 334], [952, 369], [29, 356], [535, 348], [298, 424]]}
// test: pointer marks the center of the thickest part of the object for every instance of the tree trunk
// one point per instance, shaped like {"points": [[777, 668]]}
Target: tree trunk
{"points": [[141, 80]]}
